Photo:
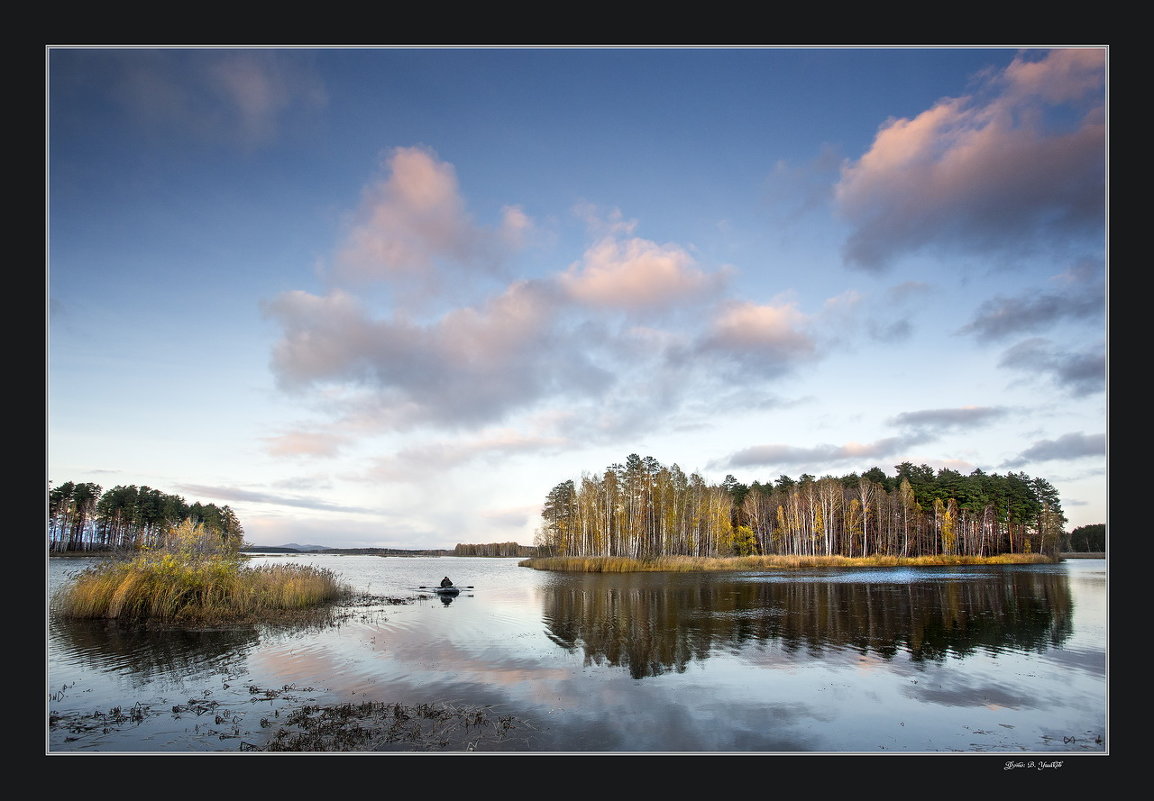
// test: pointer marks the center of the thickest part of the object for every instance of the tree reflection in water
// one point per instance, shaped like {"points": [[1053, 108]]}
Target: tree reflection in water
{"points": [[652, 623]]}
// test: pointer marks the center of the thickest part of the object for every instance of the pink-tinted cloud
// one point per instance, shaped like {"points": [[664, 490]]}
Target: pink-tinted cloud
{"points": [[407, 221], [324, 337], [1018, 165], [306, 443], [528, 345], [765, 340], [636, 274], [415, 219]]}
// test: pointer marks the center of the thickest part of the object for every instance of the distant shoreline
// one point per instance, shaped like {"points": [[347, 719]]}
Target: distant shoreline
{"points": [[258, 550]]}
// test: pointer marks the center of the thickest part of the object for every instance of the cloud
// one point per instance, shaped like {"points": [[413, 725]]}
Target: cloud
{"points": [[248, 496], [243, 97], [779, 455], [324, 337], [512, 517], [794, 192], [845, 318], [1018, 165], [891, 332], [962, 417], [259, 88], [414, 220], [920, 427], [421, 462], [1068, 446], [1082, 296], [909, 291], [636, 274], [1079, 374], [473, 365], [520, 349], [306, 443], [761, 339], [516, 350]]}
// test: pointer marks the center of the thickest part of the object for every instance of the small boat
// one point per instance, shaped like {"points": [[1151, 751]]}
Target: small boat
{"points": [[450, 590]]}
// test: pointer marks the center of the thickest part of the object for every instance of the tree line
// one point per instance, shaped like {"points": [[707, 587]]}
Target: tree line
{"points": [[494, 549], [81, 517], [1088, 539], [644, 509]]}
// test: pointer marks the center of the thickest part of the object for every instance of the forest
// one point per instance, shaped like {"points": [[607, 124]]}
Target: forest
{"points": [[503, 549], [643, 509], [1088, 539], [83, 518]]}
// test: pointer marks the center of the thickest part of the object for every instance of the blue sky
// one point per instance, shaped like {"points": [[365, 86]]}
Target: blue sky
{"points": [[391, 297]]}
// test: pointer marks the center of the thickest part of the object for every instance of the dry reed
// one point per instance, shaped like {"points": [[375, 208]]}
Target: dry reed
{"points": [[192, 580]]}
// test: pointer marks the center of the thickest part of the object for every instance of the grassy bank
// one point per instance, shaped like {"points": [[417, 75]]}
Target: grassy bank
{"points": [[194, 578], [690, 564]]}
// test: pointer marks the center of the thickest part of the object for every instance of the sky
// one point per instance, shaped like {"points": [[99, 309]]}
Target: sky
{"points": [[390, 297]]}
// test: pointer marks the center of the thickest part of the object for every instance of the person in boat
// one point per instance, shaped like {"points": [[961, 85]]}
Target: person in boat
{"points": [[446, 582]]}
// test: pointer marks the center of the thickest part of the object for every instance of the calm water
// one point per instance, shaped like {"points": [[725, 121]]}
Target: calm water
{"points": [[929, 660]]}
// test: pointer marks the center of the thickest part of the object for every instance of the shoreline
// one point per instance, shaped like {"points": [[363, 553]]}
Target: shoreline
{"points": [[840, 561], [691, 564]]}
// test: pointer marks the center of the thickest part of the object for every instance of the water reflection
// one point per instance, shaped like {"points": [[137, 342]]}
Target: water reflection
{"points": [[981, 660], [652, 624], [143, 653]]}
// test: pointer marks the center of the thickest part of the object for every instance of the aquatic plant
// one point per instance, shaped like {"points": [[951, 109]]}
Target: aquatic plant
{"points": [[196, 575], [384, 726]]}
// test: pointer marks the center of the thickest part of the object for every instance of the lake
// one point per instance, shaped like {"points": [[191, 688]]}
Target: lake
{"points": [[993, 660]]}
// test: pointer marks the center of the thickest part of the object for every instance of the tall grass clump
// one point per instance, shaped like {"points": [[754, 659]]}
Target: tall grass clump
{"points": [[196, 576]]}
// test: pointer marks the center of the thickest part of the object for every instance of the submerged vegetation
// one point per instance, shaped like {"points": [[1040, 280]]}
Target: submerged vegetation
{"points": [[196, 575], [644, 510], [688, 564], [381, 726]]}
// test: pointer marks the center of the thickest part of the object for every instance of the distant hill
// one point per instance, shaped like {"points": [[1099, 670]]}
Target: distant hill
{"points": [[296, 547], [291, 547]]}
